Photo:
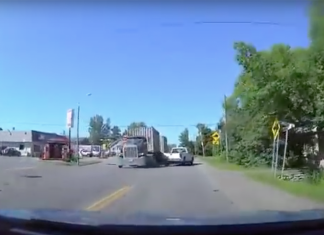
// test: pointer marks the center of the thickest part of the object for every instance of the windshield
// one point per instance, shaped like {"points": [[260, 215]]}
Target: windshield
{"points": [[179, 150], [105, 76], [136, 141]]}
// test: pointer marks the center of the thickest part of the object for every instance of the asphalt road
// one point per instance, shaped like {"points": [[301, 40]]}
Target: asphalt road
{"points": [[10, 163], [189, 191]]}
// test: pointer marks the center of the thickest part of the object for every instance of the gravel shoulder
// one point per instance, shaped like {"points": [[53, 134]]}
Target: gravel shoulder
{"points": [[249, 195]]}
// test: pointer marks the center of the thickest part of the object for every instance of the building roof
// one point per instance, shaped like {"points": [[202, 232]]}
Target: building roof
{"points": [[15, 136], [27, 136]]}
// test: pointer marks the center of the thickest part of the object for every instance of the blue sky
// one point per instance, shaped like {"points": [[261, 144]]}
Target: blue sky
{"points": [[141, 62]]}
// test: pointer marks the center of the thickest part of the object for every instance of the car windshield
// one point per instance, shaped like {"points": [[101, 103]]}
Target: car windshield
{"points": [[178, 150], [92, 79]]}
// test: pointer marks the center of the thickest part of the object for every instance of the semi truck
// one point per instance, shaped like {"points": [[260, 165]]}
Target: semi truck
{"points": [[141, 148], [164, 144]]}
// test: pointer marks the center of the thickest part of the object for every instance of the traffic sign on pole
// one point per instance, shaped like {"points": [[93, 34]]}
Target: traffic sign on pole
{"points": [[215, 138], [275, 128]]}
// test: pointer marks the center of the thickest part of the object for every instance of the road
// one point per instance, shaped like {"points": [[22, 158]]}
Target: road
{"points": [[198, 190]]}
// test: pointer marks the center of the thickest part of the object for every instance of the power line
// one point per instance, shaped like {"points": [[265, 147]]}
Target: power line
{"points": [[121, 126], [183, 24], [244, 22]]}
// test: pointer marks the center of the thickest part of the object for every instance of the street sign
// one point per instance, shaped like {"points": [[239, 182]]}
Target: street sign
{"points": [[215, 138], [275, 128], [70, 118], [215, 142]]}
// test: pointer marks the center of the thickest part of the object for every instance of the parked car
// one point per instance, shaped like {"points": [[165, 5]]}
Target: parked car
{"points": [[12, 152], [2, 149], [85, 153], [95, 150]]}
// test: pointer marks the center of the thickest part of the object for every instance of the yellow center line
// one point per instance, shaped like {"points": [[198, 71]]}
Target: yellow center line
{"points": [[106, 201]]}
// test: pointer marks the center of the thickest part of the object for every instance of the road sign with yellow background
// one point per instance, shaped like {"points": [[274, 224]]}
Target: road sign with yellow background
{"points": [[275, 128], [215, 138]]}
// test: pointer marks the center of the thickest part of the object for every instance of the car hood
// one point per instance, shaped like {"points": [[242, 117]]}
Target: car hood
{"points": [[98, 218]]}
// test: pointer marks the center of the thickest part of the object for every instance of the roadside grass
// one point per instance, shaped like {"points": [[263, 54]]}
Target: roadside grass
{"points": [[303, 189], [220, 163], [264, 175]]}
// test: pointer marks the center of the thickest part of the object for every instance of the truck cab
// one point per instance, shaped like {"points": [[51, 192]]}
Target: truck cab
{"points": [[133, 152]]}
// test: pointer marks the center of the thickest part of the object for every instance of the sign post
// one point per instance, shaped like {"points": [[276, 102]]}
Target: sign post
{"points": [[287, 128], [70, 124], [275, 132]]}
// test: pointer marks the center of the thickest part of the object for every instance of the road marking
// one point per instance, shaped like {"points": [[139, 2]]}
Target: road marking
{"points": [[106, 201]]}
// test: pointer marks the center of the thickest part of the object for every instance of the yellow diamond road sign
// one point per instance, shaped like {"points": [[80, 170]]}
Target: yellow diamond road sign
{"points": [[275, 128], [216, 142], [215, 137]]}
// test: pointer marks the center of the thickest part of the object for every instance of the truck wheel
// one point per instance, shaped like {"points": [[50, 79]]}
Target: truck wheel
{"points": [[120, 166]]}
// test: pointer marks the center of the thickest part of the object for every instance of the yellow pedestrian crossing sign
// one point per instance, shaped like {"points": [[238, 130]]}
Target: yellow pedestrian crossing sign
{"points": [[275, 128], [215, 138]]}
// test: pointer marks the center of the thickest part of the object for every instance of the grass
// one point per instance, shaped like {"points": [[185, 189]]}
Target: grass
{"points": [[222, 164], [262, 175], [303, 189]]}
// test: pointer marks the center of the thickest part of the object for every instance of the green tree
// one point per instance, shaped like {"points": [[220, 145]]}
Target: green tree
{"points": [[106, 129], [184, 138], [203, 141], [124, 132], [95, 131], [115, 132], [85, 141], [282, 82], [136, 124], [170, 146], [316, 32]]}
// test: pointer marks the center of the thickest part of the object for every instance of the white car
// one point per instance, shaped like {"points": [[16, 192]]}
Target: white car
{"points": [[180, 155]]}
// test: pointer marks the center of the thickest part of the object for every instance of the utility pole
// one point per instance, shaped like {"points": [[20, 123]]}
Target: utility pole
{"points": [[78, 139], [202, 141], [194, 140], [225, 127], [78, 131]]}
